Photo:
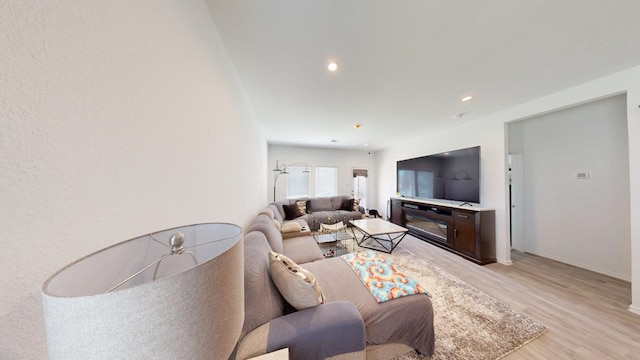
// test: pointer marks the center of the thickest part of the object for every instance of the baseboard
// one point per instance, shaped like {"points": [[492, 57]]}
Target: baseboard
{"points": [[634, 309], [505, 262], [583, 266]]}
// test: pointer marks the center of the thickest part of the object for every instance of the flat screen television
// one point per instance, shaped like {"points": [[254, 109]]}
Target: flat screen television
{"points": [[452, 175]]}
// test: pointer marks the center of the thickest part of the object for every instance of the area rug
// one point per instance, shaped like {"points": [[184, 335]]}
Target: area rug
{"points": [[469, 324]]}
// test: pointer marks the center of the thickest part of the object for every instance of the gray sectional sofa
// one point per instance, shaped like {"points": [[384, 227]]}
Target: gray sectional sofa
{"points": [[319, 210], [349, 325]]}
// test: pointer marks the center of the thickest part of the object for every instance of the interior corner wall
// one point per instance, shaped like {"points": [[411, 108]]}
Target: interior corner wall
{"points": [[489, 132], [583, 222], [116, 119], [344, 160]]}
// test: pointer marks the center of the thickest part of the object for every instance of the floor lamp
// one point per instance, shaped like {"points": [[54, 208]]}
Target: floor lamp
{"points": [[282, 170]]}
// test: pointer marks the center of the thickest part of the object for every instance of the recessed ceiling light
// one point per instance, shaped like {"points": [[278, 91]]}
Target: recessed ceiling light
{"points": [[366, 144], [467, 98], [357, 126], [333, 66]]}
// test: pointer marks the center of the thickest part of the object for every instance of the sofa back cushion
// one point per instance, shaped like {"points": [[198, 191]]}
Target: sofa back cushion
{"points": [[336, 201], [264, 224], [262, 300], [276, 213], [322, 203]]}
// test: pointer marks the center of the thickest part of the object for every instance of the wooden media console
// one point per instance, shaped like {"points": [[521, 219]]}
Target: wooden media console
{"points": [[465, 230]]}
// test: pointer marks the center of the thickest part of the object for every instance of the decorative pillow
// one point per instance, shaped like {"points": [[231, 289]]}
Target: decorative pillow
{"points": [[347, 204], [290, 226], [302, 206], [356, 204], [291, 211], [297, 285], [267, 212]]}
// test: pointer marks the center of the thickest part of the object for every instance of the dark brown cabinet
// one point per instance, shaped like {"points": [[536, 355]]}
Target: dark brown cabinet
{"points": [[468, 232], [397, 214]]}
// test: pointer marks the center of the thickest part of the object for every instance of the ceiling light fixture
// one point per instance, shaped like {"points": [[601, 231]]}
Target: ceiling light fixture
{"points": [[467, 98], [357, 126], [333, 66]]}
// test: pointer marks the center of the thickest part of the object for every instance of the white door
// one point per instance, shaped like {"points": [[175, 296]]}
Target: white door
{"points": [[517, 202], [360, 186]]}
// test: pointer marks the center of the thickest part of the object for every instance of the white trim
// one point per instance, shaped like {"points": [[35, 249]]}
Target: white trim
{"points": [[583, 266], [633, 309], [505, 262]]}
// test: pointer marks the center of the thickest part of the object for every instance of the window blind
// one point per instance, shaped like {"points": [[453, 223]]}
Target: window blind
{"points": [[326, 181], [297, 182]]}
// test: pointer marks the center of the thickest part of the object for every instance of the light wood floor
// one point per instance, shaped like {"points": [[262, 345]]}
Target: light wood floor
{"points": [[585, 312]]}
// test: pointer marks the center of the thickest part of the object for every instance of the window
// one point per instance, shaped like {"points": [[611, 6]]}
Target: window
{"points": [[326, 181], [297, 182], [424, 179]]}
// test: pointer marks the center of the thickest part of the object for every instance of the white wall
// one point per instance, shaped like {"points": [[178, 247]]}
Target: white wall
{"points": [[344, 160], [489, 132], [116, 119], [581, 222]]}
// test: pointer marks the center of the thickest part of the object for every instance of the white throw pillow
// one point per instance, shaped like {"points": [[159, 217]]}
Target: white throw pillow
{"points": [[290, 226], [297, 285]]}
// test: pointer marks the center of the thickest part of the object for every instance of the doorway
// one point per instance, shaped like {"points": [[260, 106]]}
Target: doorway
{"points": [[516, 202], [360, 186]]}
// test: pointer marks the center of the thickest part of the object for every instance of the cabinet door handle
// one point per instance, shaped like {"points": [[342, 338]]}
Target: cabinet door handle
{"points": [[455, 233], [463, 216]]}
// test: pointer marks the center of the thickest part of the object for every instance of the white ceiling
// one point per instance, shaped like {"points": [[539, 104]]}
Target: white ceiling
{"points": [[405, 65]]}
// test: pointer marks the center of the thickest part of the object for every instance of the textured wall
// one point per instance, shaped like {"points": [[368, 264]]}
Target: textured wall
{"points": [[116, 118]]}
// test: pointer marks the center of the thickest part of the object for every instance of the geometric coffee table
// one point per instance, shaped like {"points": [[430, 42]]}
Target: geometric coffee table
{"points": [[378, 234]]}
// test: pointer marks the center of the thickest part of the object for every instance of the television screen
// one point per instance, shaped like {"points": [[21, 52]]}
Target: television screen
{"points": [[452, 175]]}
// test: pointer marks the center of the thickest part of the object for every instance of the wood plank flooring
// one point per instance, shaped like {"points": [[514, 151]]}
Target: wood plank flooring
{"points": [[585, 312]]}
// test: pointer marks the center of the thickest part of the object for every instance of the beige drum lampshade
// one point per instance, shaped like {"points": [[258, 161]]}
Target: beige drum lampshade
{"points": [[107, 305]]}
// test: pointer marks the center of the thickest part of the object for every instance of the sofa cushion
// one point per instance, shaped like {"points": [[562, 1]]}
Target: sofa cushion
{"points": [[336, 201], [302, 249], [291, 211], [265, 225], [320, 204], [262, 300], [347, 205], [277, 224], [297, 285], [266, 211], [276, 213]]}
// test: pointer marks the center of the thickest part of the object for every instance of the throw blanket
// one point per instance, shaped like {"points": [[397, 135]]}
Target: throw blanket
{"points": [[381, 277]]}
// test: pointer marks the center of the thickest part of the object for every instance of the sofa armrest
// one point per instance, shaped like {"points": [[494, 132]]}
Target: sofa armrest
{"points": [[319, 332], [315, 333]]}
